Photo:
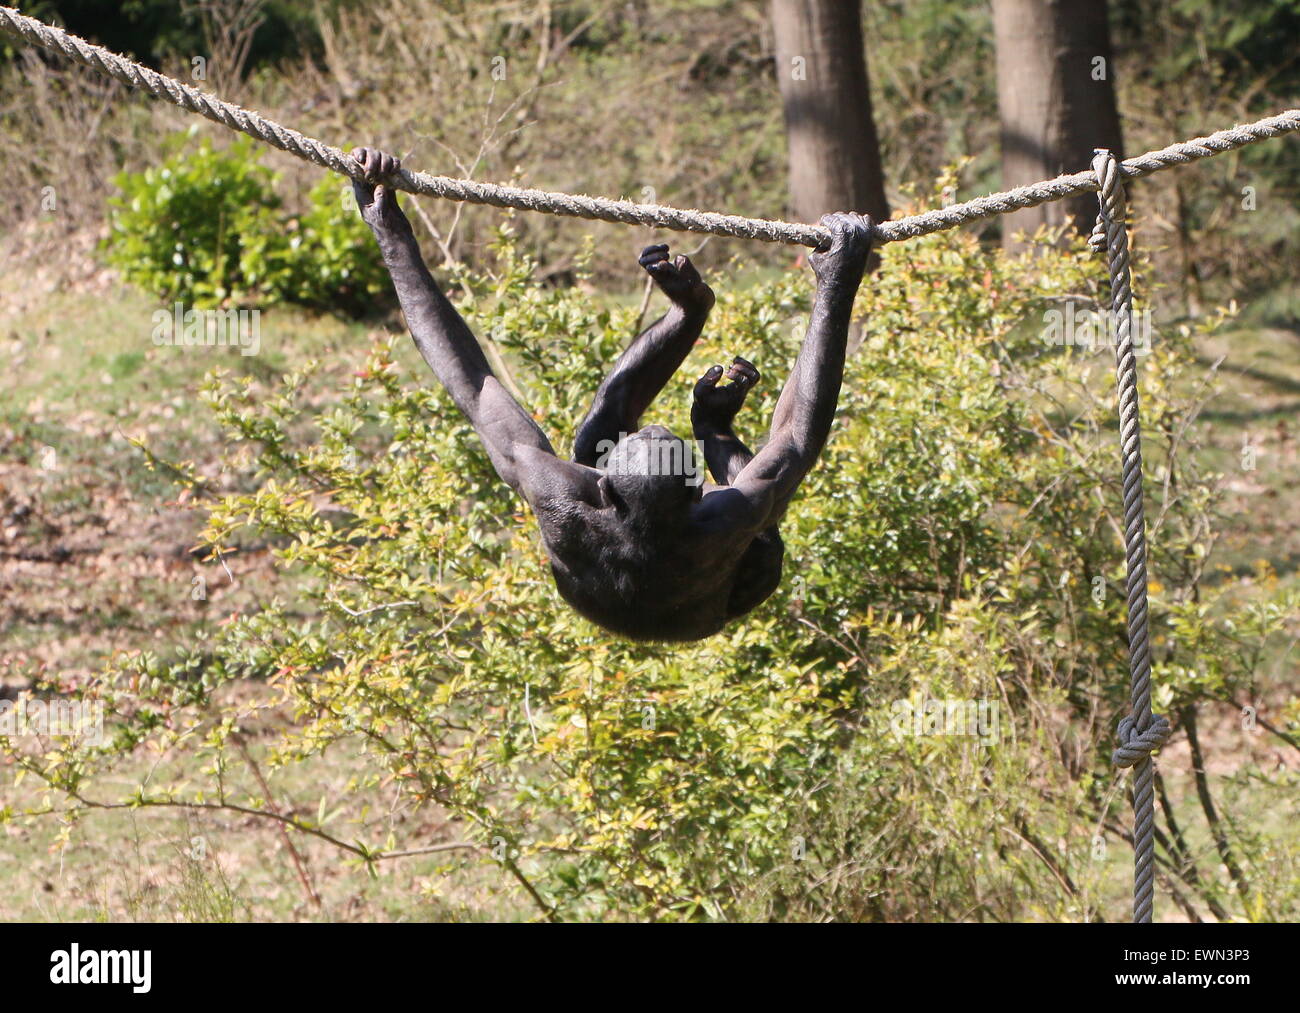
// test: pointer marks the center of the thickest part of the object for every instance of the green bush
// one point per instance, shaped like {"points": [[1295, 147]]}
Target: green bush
{"points": [[957, 541], [206, 228], [203, 227], [333, 260]]}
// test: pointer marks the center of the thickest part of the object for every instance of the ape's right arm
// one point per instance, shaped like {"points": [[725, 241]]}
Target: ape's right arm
{"points": [[445, 341], [805, 410]]}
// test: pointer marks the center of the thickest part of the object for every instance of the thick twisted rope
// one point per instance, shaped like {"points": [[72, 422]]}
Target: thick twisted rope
{"points": [[602, 209], [1140, 732]]}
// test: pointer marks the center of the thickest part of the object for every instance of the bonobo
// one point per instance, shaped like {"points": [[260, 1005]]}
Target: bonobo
{"points": [[646, 551]]}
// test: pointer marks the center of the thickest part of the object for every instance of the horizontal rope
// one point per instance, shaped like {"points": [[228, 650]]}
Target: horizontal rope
{"points": [[248, 122]]}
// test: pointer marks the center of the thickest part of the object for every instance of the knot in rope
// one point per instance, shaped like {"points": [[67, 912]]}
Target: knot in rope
{"points": [[1110, 196], [1134, 745], [1097, 240]]}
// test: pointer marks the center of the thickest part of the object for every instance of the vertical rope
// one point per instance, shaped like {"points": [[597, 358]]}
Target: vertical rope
{"points": [[1141, 731]]}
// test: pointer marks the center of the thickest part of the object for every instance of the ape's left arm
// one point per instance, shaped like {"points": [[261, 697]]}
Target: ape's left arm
{"points": [[514, 442]]}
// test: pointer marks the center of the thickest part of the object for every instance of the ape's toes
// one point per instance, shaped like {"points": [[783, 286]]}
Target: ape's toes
{"points": [[653, 255], [709, 380], [743, 371]]}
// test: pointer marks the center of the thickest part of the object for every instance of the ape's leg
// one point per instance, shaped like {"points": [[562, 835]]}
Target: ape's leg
{"points": [[650, 360], [758, 573], [712, 418], [508, 432]]}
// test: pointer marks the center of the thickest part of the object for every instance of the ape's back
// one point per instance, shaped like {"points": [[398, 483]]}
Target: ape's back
{"points": [[643, 587]]}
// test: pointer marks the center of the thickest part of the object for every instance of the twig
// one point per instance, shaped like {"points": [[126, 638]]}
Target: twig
{"points": [[299, 865], [1188, 720]]}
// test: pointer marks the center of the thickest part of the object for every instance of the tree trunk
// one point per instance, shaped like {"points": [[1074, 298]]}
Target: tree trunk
{"points": [[821, 67], [1056, 101]]}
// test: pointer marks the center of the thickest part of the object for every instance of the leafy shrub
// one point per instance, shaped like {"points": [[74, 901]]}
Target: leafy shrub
{"points": [[333, 260], [950, 545], [206, 228], [203, 227]]}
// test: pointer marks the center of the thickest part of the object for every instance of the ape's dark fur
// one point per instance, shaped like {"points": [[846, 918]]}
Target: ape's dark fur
{"points": [[644, 553]]}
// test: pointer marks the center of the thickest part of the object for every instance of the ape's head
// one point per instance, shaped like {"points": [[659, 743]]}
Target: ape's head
{"points": [[652, 476]]}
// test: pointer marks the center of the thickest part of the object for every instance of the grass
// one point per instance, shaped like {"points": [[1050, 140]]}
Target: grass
{"points": [[174, 865], [1253, 443], [96, 551]]}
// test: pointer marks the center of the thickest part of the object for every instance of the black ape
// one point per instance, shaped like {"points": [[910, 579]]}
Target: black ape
{"points": [[637, 543]]}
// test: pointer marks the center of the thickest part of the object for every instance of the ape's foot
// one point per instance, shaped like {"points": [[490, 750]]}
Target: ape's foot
{"points": [[676, 277], [742, 372], [715, 407]]}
